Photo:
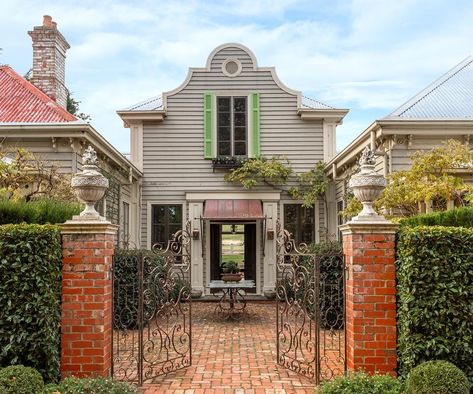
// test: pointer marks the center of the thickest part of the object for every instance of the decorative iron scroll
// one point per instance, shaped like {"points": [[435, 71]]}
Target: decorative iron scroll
{"points": [[310, 308], [152, 311]]}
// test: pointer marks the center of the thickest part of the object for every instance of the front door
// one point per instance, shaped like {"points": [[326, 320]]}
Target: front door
{"points": [[233, 241]]}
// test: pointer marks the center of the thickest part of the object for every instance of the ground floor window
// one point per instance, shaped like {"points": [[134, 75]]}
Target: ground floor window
{"points": [[166, 219], [300, 222], [125, 222], [340, 219]]}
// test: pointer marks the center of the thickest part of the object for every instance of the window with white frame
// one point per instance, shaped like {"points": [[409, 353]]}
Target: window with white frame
{"points": [[166, 219], [300, 222], [125, 221], [340, 219], [232, 126]]}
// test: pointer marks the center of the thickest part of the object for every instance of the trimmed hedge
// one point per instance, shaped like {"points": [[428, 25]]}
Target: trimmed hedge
{"points": [[458, 217], [18, 379], [439, 377], [88, 386], [361, 383], [40, 211], [435, 293], [30, 297]]}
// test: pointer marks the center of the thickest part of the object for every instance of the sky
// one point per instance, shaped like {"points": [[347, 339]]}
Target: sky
{"points": [[369, 56]]}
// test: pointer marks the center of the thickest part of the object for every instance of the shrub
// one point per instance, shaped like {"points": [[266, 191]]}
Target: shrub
{"points": [[126, 285], [361, 383], [435, 289], [458, 217], [331, 267], [437, 377], [17, 379], [39, 211], [90, 386], [30, 296]]}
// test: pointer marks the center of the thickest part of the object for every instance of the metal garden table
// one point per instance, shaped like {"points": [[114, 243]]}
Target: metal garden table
{"points": [[232, 302]]}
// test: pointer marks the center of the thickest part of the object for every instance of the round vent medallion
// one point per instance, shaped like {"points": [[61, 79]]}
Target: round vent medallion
{"points": [[231, 67]]}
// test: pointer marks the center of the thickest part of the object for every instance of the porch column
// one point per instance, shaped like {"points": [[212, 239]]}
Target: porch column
{"points": [[270, 210], [369, 249], [197, 263]]}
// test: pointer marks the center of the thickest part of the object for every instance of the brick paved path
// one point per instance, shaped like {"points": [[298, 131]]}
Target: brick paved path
{"points": [[232, 357]]}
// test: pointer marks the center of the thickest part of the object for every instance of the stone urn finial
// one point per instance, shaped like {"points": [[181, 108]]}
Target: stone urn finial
{"points": [[367, 186], [89, 185]]}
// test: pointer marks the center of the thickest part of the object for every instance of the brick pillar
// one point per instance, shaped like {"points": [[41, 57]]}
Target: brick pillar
{"points": [[86, 317], [369, 249]]}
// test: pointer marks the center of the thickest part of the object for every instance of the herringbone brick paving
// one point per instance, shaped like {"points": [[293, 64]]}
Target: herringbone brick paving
{"points": [[232, 357]]}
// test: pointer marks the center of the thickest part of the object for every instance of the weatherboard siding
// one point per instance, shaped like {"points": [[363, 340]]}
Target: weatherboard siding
{"points": [[173, 150]]}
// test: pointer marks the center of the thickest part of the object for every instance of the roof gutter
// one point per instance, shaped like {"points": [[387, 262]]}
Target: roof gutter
{"points": [[397, 126], [68, 130]]}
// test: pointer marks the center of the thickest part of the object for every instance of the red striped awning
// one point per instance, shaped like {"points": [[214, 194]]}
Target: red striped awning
{"points": [[233, 209]]}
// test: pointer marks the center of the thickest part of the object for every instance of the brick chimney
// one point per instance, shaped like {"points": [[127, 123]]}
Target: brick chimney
{"points": [[49, 60]]}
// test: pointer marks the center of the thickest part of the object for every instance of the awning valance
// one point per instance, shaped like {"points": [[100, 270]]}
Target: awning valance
{"points": [[233, 209]]}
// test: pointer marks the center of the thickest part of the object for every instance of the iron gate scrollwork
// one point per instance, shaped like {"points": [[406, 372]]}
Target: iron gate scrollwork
{"points": [[310, 308], [152, 310]]}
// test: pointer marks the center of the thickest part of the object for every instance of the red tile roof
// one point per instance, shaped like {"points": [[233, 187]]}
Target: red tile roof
{"points": [[22, 102]]}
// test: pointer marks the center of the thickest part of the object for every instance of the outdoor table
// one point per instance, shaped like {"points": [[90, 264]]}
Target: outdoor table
{"points": [[232, 302]]}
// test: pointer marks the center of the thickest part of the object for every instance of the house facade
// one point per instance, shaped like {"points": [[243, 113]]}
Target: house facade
{"points": [[229, 110], [441, 111], [33, 116]]}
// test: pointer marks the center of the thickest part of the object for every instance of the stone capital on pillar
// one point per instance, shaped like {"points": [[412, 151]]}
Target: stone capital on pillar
{"points": [[369, 248], [86, 311]]}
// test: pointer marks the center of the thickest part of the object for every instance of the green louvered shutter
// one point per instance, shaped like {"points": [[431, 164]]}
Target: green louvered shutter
{"points": [[208, 115], [255, 127]]}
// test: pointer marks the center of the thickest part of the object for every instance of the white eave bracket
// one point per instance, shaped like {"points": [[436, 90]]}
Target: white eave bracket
{"points": [[329, 115], [130, 117]]}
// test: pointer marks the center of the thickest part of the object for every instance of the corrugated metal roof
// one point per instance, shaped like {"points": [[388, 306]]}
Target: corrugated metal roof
{"points": [[307, 102], [449, 97], [151, 104], [156, 104], [21, 101]]}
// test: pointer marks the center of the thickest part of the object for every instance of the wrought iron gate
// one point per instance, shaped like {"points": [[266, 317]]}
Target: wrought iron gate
{"points": [[310, 309], [152, 310]]}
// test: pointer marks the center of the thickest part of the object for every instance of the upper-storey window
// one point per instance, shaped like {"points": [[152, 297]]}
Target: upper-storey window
{"points": [[232, 126]]}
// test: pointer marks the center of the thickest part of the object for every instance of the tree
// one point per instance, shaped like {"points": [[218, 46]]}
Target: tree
{"points": [[73, 108], [24, 175], [433, 176]]}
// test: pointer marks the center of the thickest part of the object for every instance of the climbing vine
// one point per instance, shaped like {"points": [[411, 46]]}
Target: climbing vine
{"points": [[277, 172]]}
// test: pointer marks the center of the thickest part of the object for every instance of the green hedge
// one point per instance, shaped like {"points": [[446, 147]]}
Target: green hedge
{"points": [[40, 211], [361, 383], [18, 379], [30, 296], [437, 376], [458, 217], [435, 296], [74, 385]]}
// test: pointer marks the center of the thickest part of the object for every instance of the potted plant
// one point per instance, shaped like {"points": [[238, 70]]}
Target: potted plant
{"points": [[230, 271]]}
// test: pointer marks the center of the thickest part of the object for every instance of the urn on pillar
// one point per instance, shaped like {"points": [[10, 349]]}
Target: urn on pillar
{"points": [[367, 186], [89, 186]]}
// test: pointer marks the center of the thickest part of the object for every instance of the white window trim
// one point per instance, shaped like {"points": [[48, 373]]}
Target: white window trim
{"points": [[300, 202], [149, 217], [249, 118]]}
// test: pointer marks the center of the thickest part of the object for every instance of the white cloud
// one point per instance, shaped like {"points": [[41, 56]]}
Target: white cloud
{"points": [[363, 54]]}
